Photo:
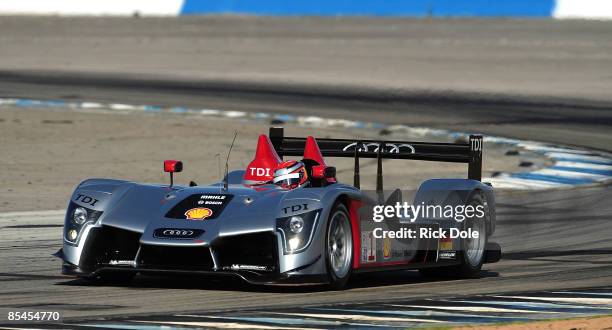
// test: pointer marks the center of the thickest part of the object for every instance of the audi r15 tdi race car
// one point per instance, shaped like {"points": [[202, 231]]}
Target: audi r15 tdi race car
{"points": [[280, 221]]}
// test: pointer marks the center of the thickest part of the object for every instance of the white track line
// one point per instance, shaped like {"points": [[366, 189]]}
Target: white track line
{"points": [[358, 317], [584, 165], [588, 301], [471, 309], [223, 325], [516, 183], [571, 174], [535, 146], [607, 294], [521, 303], [566, 155], [262, 319]]}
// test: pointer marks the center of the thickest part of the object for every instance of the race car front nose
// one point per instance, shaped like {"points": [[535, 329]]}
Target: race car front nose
{"points": [[255, 252]]}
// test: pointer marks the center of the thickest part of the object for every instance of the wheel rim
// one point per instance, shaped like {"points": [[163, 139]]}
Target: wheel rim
{"points": [[474, 247], [339, 245]]}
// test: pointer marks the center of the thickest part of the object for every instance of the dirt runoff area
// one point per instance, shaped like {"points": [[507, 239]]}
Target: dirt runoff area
{"points": [[595, 323], [46, 153]]}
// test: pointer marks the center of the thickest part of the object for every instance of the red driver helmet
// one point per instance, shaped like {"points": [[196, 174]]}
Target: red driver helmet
{"points": [[290, 174]]}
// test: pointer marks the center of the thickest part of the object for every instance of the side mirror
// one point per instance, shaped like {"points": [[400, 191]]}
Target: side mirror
{"points": [[323, 172], [172, 166]]}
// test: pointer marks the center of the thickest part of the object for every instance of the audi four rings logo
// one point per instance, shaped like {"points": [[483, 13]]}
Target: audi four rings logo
{"points": [[177, 233], [373, 147]]}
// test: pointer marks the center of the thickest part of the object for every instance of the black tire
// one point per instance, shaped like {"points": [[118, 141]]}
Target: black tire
{"points": [[112, 278], [338, 281], [467, 268]]}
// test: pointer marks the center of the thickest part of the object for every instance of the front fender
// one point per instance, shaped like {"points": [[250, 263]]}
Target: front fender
{"points": [[312, 260]]}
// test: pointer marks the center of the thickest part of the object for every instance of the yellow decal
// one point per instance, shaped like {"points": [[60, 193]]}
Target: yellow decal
{"points": [[387, 248], [198, 213], [446, 244]]}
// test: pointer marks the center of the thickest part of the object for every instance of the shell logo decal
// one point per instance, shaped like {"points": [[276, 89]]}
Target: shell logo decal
{"points": [[198, 213], [387, 248]]}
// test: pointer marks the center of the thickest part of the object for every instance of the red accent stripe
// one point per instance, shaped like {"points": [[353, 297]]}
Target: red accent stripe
{"points": [[354, 206]]}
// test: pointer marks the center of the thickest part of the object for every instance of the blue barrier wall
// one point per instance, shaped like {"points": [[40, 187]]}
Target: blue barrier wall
{"points": [[419, 8], [582, 9]]}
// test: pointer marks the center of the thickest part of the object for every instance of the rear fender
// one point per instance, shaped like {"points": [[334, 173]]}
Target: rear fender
{"points": [[455, 192]]}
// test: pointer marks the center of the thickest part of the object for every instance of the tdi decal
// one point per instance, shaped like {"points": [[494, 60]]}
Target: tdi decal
{"points": [[295, 208], [86, 199], [259, 171]]}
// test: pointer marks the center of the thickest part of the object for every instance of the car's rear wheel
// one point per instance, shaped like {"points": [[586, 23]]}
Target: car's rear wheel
{"points": [[472, 251], [338, 247]]}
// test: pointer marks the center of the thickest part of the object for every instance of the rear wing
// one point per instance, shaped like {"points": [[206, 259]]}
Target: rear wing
{"points": [[469, 153]]}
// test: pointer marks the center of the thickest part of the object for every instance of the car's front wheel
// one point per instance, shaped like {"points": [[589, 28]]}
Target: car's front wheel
{"points": [[339, 247]]}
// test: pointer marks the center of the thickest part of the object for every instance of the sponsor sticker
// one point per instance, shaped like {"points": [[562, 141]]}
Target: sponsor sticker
{"points": [[368, 247], [295, 208], [447, 254], [200, 207], [198, 213], [445, 248], [446, 243], [249, 267], [386, 248], [177, 233], [86, 199], [122, 262]]}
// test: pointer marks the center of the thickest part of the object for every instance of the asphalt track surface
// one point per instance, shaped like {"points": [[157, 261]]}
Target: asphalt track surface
{"points": [[552, 241]]}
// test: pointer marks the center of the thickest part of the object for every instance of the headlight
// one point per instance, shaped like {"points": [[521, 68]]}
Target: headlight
{"points": [[294, 243], [296, 224], [297, 231], [77, 217], [72, 234]]}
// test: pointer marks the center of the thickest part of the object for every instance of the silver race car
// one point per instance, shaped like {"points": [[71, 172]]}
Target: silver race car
{"points": [[280, 221]]}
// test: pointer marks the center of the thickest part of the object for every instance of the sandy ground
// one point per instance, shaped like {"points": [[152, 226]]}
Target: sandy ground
{"points": [[596, 323], [46, 153]]}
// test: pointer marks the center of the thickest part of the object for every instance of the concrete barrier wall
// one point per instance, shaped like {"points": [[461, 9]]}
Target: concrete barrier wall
{"points": [[91, 7], [591, 9], [595, 9]]}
